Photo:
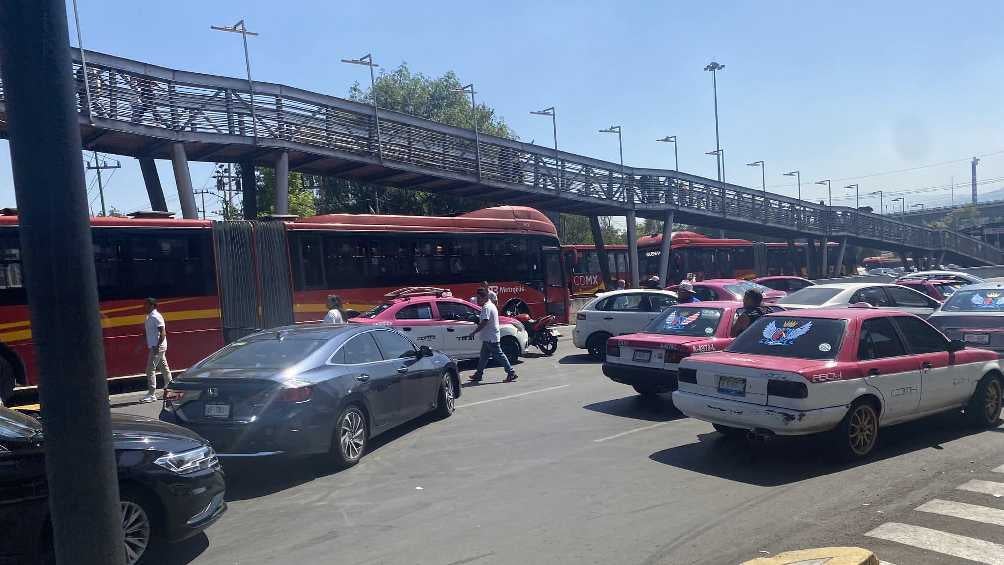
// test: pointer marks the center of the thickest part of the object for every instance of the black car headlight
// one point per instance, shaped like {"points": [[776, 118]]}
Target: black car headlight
{"points": [[198, 459]]}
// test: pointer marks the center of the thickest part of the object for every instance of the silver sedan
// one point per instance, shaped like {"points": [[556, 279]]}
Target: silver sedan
{"points": [[975, 315], [879, 295]]}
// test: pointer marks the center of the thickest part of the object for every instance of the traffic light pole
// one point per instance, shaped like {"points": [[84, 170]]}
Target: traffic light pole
{"points": [[58, 264]]}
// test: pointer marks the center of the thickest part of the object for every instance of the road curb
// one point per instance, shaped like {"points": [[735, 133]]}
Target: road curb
{"points": [[820, 556]]}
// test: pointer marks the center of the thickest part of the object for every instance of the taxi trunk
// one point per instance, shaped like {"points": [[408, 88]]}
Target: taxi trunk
{"points": [[745, 378]]}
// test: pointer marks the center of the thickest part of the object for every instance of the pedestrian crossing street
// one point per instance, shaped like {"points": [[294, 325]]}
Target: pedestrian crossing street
{"points": [[966, 526]]}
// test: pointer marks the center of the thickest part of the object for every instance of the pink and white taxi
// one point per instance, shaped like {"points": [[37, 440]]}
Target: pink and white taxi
{"points": [[847, 372]]}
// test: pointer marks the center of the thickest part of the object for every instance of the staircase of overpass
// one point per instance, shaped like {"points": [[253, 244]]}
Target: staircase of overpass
{"points": [[151, 112]]}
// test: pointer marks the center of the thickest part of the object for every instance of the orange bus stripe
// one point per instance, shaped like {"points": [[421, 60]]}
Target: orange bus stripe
{"points": [[119, 321]]}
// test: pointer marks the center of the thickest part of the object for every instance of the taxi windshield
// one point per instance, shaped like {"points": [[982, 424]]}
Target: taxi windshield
{"points": [[376, 310], [740, 288], [791, 336], [978, 300], [811, 295], [686, 321]]}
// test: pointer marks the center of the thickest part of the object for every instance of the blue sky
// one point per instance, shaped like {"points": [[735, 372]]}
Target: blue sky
{"points": [[836, 89]]}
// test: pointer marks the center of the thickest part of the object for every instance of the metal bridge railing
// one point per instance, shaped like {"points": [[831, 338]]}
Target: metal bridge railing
{"points": [[140, 94]]}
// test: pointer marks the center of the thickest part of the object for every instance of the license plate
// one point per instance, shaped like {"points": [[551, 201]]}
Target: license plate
{"points": [[643, 355], [217, 410], [733, 386], [981, 339]]}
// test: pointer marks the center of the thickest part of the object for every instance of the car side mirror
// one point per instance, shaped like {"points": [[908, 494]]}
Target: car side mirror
{"points": [[424, 351], [955, 345]]}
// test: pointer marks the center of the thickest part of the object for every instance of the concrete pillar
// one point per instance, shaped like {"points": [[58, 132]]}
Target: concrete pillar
{"points": [[840, 257], [282, 184], [790, 258], [810, 259], [152, 181], [183, 179], [824, 264], [601, 251], [632, 242], [665, 249], [249, 191]]}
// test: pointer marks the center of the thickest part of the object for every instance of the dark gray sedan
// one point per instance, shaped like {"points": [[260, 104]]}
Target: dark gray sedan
{"points": [[310, 389], [975, 315]]}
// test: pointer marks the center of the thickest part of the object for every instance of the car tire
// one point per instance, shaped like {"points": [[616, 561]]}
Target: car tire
{"points": [[984, 408], [6, 380], [549, 345], [646, 390], [447, 396], [140, 525], [856, 436], [510, 348], [597, 345], [351, 436], [729, 431]]}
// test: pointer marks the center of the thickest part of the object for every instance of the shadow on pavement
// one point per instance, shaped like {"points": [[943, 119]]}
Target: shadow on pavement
{"points": [[179, 553], [658, 408], [248, 479], [578, 359], [787, 460]]}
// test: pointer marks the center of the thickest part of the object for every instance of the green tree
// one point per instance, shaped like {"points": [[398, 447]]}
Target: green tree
{"points": [[302, 192]]}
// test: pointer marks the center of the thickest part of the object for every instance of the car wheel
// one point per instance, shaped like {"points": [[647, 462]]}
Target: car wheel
{"points": [[549, 345], [597, 345], [729, 431], [447, 401], [510, 348], [646, 390], [984, 408], [350, 437], [857, 434], [138, 525]]}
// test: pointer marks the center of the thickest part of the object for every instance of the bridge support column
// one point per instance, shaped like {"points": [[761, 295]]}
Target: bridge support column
{"points": [[632, 244], [183, 179], [824, 264], [839, 265], [601, 251], [810, 258], [249, 191], [282, 184], [665, 249], [152, 181], [789, 260]]}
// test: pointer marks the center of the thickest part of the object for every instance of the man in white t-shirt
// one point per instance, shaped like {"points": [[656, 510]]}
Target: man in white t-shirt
{"points": [[156, 343], [491, 294], [488, 331]]}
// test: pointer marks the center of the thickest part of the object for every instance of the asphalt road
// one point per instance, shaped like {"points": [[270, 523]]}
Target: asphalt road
{"points": [[564, 466]]}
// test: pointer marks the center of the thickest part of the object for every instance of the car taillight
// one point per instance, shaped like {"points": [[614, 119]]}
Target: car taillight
{"points": [[298, 394], [675, 354], [174, 398], [687, 376], [787, 389], [580, 316], [613, 349]]}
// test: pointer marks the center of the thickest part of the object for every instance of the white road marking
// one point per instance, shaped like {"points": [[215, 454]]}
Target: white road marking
{"points": [[964, 511], [999, 469], [984, 487], [885, 563], [469, 404], [622, 434], [942, 542]]}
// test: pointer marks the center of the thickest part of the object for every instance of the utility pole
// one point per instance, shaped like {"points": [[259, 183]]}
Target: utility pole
{"points": [[97, 167], [975, 162]]}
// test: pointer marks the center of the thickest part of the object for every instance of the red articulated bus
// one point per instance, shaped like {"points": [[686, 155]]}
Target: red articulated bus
{"points": [[585, 278], [698, 255], [217, 280]]}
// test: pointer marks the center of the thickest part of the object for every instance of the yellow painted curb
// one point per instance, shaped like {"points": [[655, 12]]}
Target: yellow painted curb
{"points": [[820, 556]]}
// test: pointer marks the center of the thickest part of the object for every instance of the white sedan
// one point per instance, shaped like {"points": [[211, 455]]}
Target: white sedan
{"points": [[880, 295], [615, 313]]}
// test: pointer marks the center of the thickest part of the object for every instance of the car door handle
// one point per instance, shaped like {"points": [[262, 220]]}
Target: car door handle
{"points": [[406, 329], [873, 372], [450, 329], [608, 318], [362, 378], [403, 370]]}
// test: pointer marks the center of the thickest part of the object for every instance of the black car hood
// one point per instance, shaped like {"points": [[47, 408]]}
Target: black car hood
{"points": [[130, 431]]}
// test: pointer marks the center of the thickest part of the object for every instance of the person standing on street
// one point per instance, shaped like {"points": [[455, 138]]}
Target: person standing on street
{"points": [[491, 294], [334, 315], [488, 330], [156, 343]]}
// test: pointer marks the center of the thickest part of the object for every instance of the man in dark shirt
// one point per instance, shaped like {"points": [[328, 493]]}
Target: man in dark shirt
{"points": [[751, 311]]}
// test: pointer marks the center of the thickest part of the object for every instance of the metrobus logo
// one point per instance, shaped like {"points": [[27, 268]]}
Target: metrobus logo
{"points": [[506, 289]]}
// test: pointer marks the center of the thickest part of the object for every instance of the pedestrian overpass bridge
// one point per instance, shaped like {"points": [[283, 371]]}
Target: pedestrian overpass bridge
{"points": [[150, 112]]}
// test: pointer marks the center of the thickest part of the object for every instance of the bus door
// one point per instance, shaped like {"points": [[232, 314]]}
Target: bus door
{"points": [[556, 289]]}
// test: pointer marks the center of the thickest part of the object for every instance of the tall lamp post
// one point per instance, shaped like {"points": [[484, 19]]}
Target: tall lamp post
{"points": [[620, 141], [857, 195], [713, 67], [763, 176], [676, 155], [902, 205], [829, 189], [798, 177], [881, 200], [469, 89], [367, 61], [242, 29], [554, 125], [631, 227], [559, 169]]}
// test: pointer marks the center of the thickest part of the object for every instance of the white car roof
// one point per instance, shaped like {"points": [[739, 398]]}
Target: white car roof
{"points": [[850, 286], [634, 291]]}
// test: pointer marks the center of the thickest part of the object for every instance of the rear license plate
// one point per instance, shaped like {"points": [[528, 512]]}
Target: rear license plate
{"points": [[643, 355], [217, 410], [981, 339], [733, 386]]}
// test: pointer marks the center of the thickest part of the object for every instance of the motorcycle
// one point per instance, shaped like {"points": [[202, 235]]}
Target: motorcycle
{"points": [[540, 335]]}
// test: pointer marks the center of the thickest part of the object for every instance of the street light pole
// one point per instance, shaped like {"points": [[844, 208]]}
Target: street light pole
{"points": [[714, 67], [477, 135], [902, 205], [798, 176], [620, 142], [829, 189], [857, 197], [367, 61], [881, 200], [676, 155], [242, 29], [763, 176], [554, 130]]}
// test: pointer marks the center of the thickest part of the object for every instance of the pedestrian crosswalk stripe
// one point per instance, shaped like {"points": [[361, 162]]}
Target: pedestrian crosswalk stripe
{"points": [[999, 469], [984, 487], [942, 542], [964, 511]]}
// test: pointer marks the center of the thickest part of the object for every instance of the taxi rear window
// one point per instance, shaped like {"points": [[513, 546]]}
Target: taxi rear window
{"points": [[791, 336], [686, 321], [981, 300]]}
